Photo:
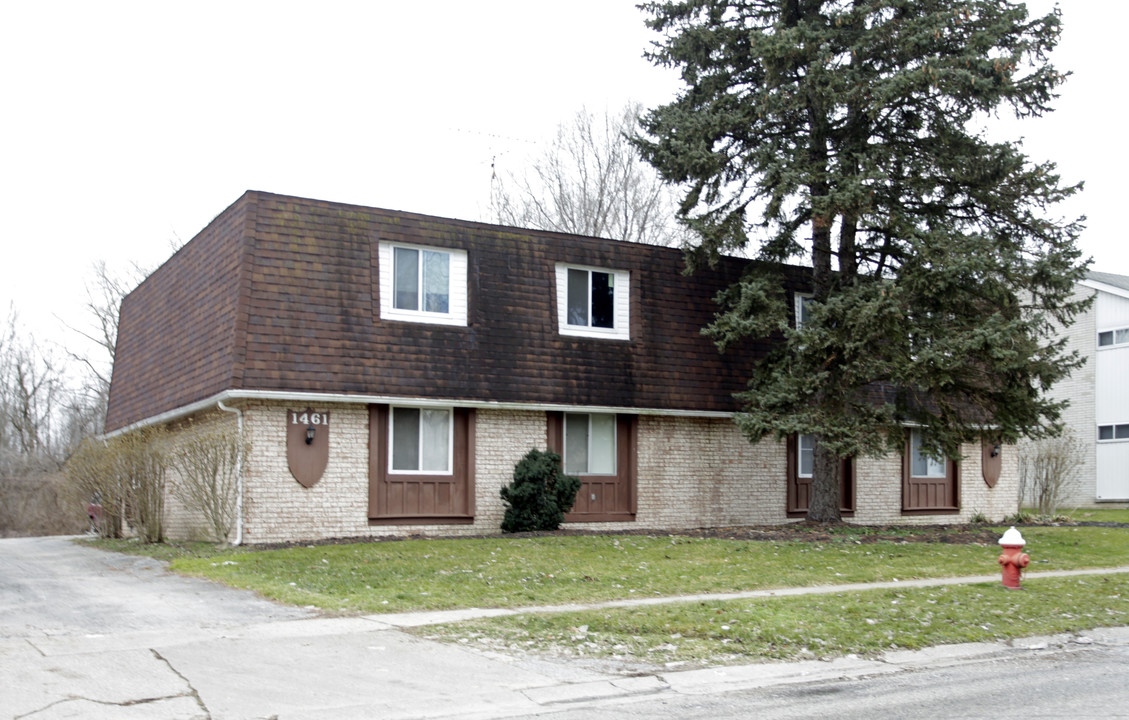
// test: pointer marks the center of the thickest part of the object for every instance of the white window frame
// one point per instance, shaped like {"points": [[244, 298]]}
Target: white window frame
{"points": [[800, 455], [1119, 337], [800, 300], [456, 314], [392, 470], [1114, 429], [933, 468], [615, 444], [621, 304]]}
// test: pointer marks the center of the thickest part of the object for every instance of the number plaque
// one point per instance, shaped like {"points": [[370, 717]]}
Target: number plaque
{"points": [[307, 444]]}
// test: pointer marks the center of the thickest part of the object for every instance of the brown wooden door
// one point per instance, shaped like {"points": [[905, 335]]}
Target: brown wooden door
{"points": [[602, 498], [931, 493], [799, 488], [925, 495], [418, 497]]}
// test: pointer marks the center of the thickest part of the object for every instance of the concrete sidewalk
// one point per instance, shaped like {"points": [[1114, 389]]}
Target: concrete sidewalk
{"points": [[245, 658], [434, 618], [361, 668]]}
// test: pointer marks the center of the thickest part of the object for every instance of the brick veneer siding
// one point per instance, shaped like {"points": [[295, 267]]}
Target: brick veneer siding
{"points": [[878, 491], [1079, 388], [692, 472], [278, 509], [180, 521]]}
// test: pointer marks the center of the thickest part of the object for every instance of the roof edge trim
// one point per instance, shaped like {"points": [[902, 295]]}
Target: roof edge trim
{"points": [[1104, 287], [228, 396]]}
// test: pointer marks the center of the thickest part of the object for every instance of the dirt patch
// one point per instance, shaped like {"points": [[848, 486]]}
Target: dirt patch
{"points": [[816, 533], [967, 534], [791, 532]]}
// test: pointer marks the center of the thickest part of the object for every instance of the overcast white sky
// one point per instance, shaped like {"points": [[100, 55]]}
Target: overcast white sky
{"points": [[127, 126]]}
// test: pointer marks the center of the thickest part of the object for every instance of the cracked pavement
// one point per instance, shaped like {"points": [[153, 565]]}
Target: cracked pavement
{"points": [[88, 634]]}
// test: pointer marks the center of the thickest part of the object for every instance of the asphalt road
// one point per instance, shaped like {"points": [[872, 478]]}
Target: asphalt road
{"points": [[1083, 683], [87, 634]]}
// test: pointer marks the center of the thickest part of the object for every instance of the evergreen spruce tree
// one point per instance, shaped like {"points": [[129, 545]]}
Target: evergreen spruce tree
{"points": [[846, 132]]}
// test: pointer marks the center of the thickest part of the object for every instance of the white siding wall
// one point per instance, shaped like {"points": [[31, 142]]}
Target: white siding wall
{"points": [[1111, 366], [1112, 407], [1113, 311]]}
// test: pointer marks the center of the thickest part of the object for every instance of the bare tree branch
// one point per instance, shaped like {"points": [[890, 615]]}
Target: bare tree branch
{"points": [[591, 181]]}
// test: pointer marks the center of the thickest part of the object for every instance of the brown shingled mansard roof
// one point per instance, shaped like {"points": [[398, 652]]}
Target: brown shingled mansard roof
{"points": [[280, 295]]}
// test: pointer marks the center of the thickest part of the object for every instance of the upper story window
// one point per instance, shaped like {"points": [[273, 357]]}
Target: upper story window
{"points": [[422, 284], [1113, 432], [593, 302], [422, 280], [1108, 338], [803, 309], [589, 443], [420, 439]]}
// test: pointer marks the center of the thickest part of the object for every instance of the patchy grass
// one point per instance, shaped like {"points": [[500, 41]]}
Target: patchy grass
{"points": [[410, 575], [806, 627], [167, 551], [1117, 515], [515, 572]]}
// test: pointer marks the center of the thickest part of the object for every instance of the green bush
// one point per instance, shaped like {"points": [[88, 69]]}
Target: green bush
{"points": [[540, 494]]}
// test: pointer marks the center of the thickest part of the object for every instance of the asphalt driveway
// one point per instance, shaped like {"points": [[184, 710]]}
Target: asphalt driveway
{"points": [[89, 634], [52, 587]]}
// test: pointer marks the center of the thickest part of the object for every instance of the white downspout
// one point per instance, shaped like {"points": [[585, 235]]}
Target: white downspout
{"points": [[238, 474]]}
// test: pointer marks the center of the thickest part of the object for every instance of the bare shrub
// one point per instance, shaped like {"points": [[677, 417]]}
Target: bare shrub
{"points": [[34, 501], [207, 466], [1046, 468], [91, 479], [143, 463], [126, 475]]}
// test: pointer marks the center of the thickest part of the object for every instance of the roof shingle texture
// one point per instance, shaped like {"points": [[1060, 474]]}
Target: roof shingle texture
{"points": [[281, 293]]}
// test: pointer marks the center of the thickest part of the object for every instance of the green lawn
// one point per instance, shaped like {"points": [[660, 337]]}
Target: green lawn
{"points": [[399, 576], [1120, 515], [511, 572], [807, 627]]}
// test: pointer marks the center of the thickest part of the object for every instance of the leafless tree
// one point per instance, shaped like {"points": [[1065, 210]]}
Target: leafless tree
{"points": [[92, 480], [31, 389], [33, 499], [47, 409], [104, 293], [591, 181]]}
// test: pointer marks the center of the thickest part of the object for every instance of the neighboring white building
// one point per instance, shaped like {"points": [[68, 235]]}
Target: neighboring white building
{"points": [[1099, 391]]}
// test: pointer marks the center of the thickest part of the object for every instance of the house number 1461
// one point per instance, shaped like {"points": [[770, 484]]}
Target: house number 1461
{"points": [[309, 418]]}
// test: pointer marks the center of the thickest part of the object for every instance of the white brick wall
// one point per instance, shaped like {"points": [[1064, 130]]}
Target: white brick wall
{"points": [[1079, 389], [180, 522], [878, 491], [692, 472], [275, 507]]}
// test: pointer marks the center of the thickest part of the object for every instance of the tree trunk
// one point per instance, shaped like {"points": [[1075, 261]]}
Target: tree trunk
{"points": [[825, 502]]}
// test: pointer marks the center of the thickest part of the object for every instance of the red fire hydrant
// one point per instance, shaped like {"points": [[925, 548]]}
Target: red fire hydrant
{"points": [[1012, 559]]}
